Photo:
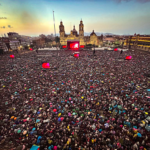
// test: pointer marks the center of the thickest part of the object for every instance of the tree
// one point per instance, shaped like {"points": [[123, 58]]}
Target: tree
{"points": [[50, 37], [32, 46], [89, 45], [48, 40], [25, 47], [117, 42], [57, 39], [42, 36]]}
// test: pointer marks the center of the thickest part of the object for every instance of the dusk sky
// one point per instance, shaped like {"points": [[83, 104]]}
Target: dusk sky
{"points": [[34, 17]]}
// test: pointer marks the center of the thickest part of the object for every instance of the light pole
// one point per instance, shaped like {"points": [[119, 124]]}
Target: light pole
{"points": [[54, 23], [55, 29]]}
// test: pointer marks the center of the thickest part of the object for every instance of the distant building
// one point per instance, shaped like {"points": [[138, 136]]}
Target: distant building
{"points": [[4, 44], [14, 44], [25, 40], [138, 41], [109, 39], [13, 35], [39, 42], [83, 40], [9, 44], [26, 37], [51, 37], [25, 43]]}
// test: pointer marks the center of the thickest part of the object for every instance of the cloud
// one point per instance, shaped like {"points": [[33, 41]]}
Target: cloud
{"points": [[3, 18], [27, 18], [3, 27], [119, 1], [143, 1], [140, 1], [9, 26]]}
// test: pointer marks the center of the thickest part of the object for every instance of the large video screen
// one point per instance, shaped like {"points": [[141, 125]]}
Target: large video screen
{"points": [[73, 45]]}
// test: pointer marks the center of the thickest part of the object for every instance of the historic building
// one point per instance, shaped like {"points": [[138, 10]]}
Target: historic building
{"points": [[39, 42], [141, 42], [4, 43], [83, 40]]}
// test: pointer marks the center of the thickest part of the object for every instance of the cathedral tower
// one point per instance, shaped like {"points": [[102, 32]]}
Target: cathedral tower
{"points": [[61, 30], [81, 29]]}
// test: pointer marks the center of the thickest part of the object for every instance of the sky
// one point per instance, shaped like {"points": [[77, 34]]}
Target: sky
{"points": [[35, 17]]}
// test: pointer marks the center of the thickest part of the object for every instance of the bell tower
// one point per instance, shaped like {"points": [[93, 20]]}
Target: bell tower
{"points": [[61, 30], [81, 28]]}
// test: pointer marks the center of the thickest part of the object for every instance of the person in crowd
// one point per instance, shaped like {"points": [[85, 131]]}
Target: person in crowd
{"points": [[85, 103], [121, 51]]}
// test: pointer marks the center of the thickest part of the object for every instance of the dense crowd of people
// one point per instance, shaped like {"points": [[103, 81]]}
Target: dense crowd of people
{"points": [[88, 103]]}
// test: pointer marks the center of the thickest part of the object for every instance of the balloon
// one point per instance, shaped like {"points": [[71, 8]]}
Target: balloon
{"points": [[119, 107], [46, 65], [76, 55], [139, 135], [128, 57], [54, 110], [11, 56], [59, 114], [62, 118], [59, 119]]}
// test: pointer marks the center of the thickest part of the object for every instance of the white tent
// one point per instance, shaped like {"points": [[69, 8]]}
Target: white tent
{"points": [[51, 49]]}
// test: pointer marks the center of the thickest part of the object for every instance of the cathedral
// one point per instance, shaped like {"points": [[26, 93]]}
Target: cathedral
{"points": [[74, 36]]}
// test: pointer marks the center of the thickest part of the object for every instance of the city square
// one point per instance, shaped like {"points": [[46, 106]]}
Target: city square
{"points": [[75, 75], [90, 102]]}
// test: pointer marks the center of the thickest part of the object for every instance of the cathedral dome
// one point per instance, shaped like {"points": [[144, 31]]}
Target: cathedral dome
{"points": [[74, 30], [93, 33]]}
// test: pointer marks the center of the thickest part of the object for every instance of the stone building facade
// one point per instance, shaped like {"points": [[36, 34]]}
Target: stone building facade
{"points": [[83, 40], [140, 42], [39, 42]]}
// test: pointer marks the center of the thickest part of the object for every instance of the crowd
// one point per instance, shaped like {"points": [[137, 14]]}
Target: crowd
{"points": [[94, 102]]}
